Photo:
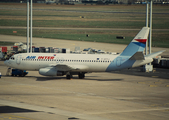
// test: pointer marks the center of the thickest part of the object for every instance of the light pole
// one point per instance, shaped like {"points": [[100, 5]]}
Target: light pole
{"points": [[31, 30], [149, 67], [147, 11], [150, 36], [27, 26]]}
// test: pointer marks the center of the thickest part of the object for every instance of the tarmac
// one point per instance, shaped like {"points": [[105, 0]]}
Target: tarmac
{"points": [[119, 95]]}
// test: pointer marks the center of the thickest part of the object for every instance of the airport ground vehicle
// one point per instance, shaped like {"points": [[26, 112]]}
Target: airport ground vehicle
{"points": [[21, 73]]}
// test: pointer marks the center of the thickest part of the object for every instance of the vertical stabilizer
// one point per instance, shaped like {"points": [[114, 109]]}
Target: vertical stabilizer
{"points": [[137, 44]]}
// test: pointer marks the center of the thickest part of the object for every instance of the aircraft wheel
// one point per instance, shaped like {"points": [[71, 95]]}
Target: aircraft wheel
{"points": [[81, 75], [23, 75], [69, 76]]}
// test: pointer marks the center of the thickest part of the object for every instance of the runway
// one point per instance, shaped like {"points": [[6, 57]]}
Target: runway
{"points": [[120, 95]]}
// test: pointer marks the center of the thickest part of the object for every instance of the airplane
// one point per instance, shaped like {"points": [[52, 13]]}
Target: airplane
{"points": [[59, 64]]}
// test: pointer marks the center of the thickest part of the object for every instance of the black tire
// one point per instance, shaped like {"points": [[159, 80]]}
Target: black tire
{"points": [[69, 76], [81, 75], [23, 75]]}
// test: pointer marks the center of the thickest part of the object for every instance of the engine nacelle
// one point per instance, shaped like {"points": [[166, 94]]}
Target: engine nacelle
{"points": [[50, 72]]}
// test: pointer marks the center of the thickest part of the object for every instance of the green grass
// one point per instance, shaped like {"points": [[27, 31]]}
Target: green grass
{"points": [[4, 22], [10, 32], [84, 24], [92, 19], [6, 43], [94, 36], [13, 12], [88, 24], [62, 16]]}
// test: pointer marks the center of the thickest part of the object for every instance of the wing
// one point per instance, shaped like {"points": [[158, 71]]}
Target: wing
{"points": [[64, 67]]}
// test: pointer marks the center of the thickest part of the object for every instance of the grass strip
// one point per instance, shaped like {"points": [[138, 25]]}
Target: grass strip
{"points": [[94, 35], [3, 43]]}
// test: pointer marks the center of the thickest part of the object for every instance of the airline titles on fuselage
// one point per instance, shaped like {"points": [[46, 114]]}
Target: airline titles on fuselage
{"points": [[40, 57], [52, 58]]}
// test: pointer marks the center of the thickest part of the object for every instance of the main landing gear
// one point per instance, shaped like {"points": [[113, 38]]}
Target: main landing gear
{"points": [[80, 75], [69, 76]]}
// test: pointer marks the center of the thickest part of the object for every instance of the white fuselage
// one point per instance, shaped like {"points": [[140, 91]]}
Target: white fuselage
{"points": [[89, 62]]}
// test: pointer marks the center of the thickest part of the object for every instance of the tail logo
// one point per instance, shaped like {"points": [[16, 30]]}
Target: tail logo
{"points": [[141, 40]]}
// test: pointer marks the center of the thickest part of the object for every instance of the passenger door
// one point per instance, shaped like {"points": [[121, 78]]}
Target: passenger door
{"points": [[18, 59]]}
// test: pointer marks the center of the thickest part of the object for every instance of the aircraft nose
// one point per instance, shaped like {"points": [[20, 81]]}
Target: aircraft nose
{"points": [[6, 62]]}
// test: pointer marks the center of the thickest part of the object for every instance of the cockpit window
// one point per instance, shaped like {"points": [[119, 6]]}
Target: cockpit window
{"points": [[12, 58]]}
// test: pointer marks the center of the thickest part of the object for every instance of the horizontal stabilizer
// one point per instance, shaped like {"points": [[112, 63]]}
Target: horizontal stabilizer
{"points": [[152, 55], [137, 56]]}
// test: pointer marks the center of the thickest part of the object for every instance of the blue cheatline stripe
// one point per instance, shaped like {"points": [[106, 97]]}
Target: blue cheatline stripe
{"points": [[140, 44]]}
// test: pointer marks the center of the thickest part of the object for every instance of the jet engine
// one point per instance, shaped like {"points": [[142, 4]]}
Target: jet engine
{"points": [[50, 72]]}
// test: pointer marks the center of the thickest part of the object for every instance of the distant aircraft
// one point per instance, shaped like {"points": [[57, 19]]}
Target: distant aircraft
{"points": [[59, 64]]}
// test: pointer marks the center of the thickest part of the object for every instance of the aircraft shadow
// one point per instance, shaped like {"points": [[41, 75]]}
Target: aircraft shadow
{"points": [[10, 109], [160, 73], [49, 78], [64, 78], [74, 78], [86, 78]]}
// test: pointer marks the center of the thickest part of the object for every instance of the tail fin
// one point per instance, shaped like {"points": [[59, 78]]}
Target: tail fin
{"points": [[138, 43]]}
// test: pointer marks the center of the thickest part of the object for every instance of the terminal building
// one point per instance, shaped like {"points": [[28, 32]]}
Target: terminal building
{"points": [[90, 1], [107, 1]]}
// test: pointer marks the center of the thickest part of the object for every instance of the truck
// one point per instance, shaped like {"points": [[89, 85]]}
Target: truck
{"points": [[17, 72]]}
